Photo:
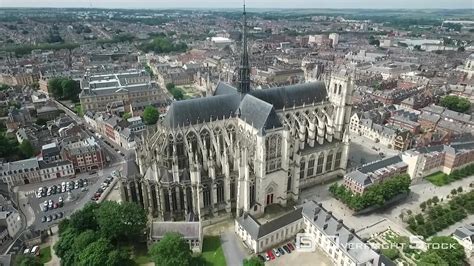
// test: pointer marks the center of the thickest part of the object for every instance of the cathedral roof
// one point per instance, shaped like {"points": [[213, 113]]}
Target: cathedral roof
{"points": [[257, 107], [261, 115], [289, 96], [195, 111]]}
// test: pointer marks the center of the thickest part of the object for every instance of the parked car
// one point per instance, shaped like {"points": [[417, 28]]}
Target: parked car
{"points": [[287, 249], [49, 218], [270, 255], [60, 199], [282, 252], [45, 203], [60, 215], [55, 216], [43, 219], [290, 245]]}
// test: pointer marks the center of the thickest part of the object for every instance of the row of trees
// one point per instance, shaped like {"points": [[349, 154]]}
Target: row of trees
{"points": [[375, 195], [176, 92], [455, 103], [437, 217], [99, 234], [162, 44], [64, 89]]}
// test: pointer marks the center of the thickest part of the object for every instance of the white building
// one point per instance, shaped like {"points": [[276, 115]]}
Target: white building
{"points": [[465, 236], [335, 39], [329, 234], [12, 221]]}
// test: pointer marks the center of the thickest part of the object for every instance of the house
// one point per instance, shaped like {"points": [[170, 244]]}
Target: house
{"points": [[465, 236], [85, 155], [11, 221], [190, 231], [376, 172]]}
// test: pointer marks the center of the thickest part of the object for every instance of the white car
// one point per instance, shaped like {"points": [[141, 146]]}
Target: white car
{"points": [[277, 253], [45, 203], [60, 199]]}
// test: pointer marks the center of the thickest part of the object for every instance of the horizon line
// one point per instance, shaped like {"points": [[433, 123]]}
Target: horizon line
{"points": [[236, 8]]}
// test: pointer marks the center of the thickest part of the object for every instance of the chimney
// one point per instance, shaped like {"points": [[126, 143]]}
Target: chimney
{"points": [[339, 224], [329, 215]]}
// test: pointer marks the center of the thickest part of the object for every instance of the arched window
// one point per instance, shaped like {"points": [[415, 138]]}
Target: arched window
{"points": [[319, 168], [340, 89], [335, 88], [329, 162], [310, 171], [273, 152], [337, 163]]}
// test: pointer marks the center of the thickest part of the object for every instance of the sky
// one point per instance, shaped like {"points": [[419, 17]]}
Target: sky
{"points": [[407, 4]]}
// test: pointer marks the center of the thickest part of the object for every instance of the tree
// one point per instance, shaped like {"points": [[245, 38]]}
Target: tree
{"points": [[71, 89], [423, 206], [453, 255], [455, 103], [170, 86], [120, 221], [119, 258], [63, 247], [96, 253], [27, 149], [177, 94], [55, 87], [27, 260], [150, 115], [126, 115], [84, 239], [431, 259], [253, 261], [171, 250], [85, 218]]}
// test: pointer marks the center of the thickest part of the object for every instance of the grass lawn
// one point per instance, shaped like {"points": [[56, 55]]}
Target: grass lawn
{"points": [[212, 252], [45, 254], [78, 109], [438, 179]]}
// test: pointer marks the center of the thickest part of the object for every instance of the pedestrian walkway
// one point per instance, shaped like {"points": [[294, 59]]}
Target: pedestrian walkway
{"points": [[50, 241]]}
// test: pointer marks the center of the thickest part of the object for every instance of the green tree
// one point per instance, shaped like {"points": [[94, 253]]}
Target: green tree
{"points": [[71, 89], [84, 239], [96, 253], [423, 206], [455, 103], [120, 221], [55, 87], [126, 115], [170, 86], [85, 218], [177, 94], [119, 258], [253, 261], [171, 250], [150, 115], [431, 259], [27, 149], [27, 260], [63, 247], [453, 255]]}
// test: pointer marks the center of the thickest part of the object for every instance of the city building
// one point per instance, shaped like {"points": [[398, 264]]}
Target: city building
{"points": [[11, 221], [85, 155], [243, 149], [375, 172], [98, 90], [465, 236], [341, 244]]}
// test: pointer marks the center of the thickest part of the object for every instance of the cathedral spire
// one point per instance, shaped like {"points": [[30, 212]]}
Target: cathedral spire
{"points": [[244, 68]]}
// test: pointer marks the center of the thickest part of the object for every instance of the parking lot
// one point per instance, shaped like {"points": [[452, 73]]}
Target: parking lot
{"points": [[300, 258], [363, 150], [32, 205]]}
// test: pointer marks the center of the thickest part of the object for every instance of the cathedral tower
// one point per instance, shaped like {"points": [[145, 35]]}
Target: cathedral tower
{"points": [[243, 85]]}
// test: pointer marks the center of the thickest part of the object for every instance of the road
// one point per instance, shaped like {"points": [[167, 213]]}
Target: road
{"points": [[232, 247]]}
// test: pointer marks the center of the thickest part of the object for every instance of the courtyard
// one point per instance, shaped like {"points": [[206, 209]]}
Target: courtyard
{"points": [[302, 259]]}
